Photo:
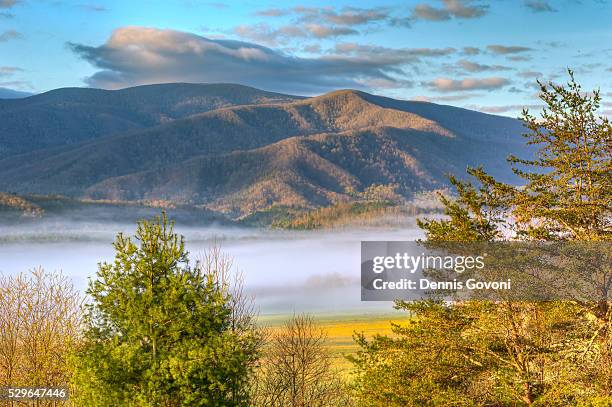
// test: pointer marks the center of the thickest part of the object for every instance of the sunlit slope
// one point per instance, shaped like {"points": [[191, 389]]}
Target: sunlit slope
{"points": [[305, 153]]}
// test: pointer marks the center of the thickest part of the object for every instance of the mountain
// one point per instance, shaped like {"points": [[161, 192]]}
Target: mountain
{"points": [[303, 171], [6, 93], [242, 158], [71, 115]]}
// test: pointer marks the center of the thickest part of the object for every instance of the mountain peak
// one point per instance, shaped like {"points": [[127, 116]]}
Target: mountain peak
{"points": [[349, 109]]}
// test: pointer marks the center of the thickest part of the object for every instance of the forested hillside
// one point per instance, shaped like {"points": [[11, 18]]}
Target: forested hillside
{"points": [[238, 150]]}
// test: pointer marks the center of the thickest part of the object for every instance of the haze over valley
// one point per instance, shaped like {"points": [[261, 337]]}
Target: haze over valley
{"points": [[78, 165]]}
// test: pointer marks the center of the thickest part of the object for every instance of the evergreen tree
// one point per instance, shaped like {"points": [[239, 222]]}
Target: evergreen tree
{"points": [[161, 332], [507, 352], [568, 190]]}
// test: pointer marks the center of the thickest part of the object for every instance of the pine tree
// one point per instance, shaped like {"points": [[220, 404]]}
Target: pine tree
{"points": [[508, 352], [568, 191], [159, 331]]}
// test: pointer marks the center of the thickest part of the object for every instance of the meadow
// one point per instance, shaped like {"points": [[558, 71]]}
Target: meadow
{"points": [[340, 328]]}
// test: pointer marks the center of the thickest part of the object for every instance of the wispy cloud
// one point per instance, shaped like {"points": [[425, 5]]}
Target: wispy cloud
{"points": [[505, 50], [217, 5], [312, 48], [324, 31], [470, 66], [453, 85], [503, 108], [8, 3], [93, 7], [272, 12], [530, 74], [17, 84], [464, 9], [10, 35], [266, 34], [539, 6], [470, 51], [310, 22], [447, 98], [385, 53], [519, 58], [348, 16], [9, 70]]}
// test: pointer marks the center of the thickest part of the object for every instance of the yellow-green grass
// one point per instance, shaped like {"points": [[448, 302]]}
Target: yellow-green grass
{"points": [[340, 329]]}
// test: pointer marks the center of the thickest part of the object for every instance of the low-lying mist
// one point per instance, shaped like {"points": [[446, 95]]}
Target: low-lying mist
{"points": [[286, 271]]}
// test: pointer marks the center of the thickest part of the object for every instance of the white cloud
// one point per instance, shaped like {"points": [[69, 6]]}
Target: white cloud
{"points": [[504, 108], [470, 66], [266, 34], [139, 55]]}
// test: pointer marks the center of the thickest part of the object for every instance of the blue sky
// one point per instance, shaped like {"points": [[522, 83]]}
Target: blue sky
{"points": [[483, 55]]}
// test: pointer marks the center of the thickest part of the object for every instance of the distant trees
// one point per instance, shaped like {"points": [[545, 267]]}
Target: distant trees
{"points": [[510, 352], [160, 331], [12, 202], [296, 370], [344, 214], [40, 316]]}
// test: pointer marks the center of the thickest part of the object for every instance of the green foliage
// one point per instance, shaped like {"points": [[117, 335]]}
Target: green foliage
{"points": [[359, 213], [512, 353], [568, 195], [568, 186], [479, 353], [332, 215], [474, 216], [159, 331], [275, 215], [421, 364]]}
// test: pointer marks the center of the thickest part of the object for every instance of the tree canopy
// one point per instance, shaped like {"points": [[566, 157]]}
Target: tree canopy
{"points": [[160, 331]]}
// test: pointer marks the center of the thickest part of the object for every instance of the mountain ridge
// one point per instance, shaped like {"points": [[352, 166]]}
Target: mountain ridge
{"points": [[301, 152], [71, 115]]}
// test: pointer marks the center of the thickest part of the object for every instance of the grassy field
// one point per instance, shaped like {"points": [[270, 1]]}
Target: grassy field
{"points": [[340, 329]]}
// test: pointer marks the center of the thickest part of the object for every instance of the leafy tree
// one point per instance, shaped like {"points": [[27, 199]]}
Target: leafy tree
{"points": [[506, 352], [161, 332]]}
